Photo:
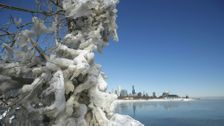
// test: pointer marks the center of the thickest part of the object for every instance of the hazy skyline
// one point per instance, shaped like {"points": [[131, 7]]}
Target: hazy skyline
{"points": [[168, 45], [164, 45]]}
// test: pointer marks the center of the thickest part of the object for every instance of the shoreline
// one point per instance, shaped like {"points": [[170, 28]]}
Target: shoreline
{"points": [[155, 100], [119, 101]]}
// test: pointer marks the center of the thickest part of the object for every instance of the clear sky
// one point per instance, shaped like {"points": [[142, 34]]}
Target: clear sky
{"points": [[168, 45], [165, 45]]}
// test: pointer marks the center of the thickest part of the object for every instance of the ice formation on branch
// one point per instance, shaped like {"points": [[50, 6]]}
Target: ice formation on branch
{"points": [[69, 89]]}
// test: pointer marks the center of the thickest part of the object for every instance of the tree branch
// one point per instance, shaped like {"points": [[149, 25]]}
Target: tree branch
{"points": [[7, 33], [56, 3], [39, 50], [24, 10]]}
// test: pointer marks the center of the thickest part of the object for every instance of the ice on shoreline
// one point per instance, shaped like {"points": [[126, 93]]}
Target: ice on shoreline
{"points": [[155, 100], [118, 101], [123, 120]]}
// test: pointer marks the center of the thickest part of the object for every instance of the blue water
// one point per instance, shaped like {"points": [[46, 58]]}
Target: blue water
{"points": [[204, 112]]}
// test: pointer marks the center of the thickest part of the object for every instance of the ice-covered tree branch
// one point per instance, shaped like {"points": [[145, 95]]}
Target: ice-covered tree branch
{"points": [[5, 6], [64, 87]]}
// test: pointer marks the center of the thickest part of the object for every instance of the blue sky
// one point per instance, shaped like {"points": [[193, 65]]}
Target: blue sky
{"points": [[164, 45], [168, 45]]}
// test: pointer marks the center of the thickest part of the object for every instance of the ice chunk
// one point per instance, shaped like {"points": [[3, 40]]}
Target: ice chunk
{"points": [[39, 27], [102, 84], [11, 118], [77, 8], [57, 86], [36, 82], [69, 87], [101, 99], [123, 120]]}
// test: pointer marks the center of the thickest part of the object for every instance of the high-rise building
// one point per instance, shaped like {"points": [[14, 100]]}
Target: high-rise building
{"points": [[139, 94], [165, 94], [154, 94], [118, 91], [133, 90], [124, 93]]}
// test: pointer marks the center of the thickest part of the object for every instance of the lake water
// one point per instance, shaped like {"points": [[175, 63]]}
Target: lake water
{"points": [[204, 112]]}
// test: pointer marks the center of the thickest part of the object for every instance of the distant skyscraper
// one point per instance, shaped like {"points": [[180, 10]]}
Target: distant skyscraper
{"points": [[133, 89], [154, 94], [139, 94], [124, 93], [165, 94], [118, 91]]}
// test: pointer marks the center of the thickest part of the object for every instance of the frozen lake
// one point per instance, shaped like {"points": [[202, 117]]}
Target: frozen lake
{"points": [[204, 112]]}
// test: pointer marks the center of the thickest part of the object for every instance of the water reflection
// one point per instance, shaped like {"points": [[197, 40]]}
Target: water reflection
{"points": [[191, 113], [132, 108]]}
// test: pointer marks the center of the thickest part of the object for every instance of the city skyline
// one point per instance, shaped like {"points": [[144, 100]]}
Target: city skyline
{"points": [[133, 91], [168, 45]]}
